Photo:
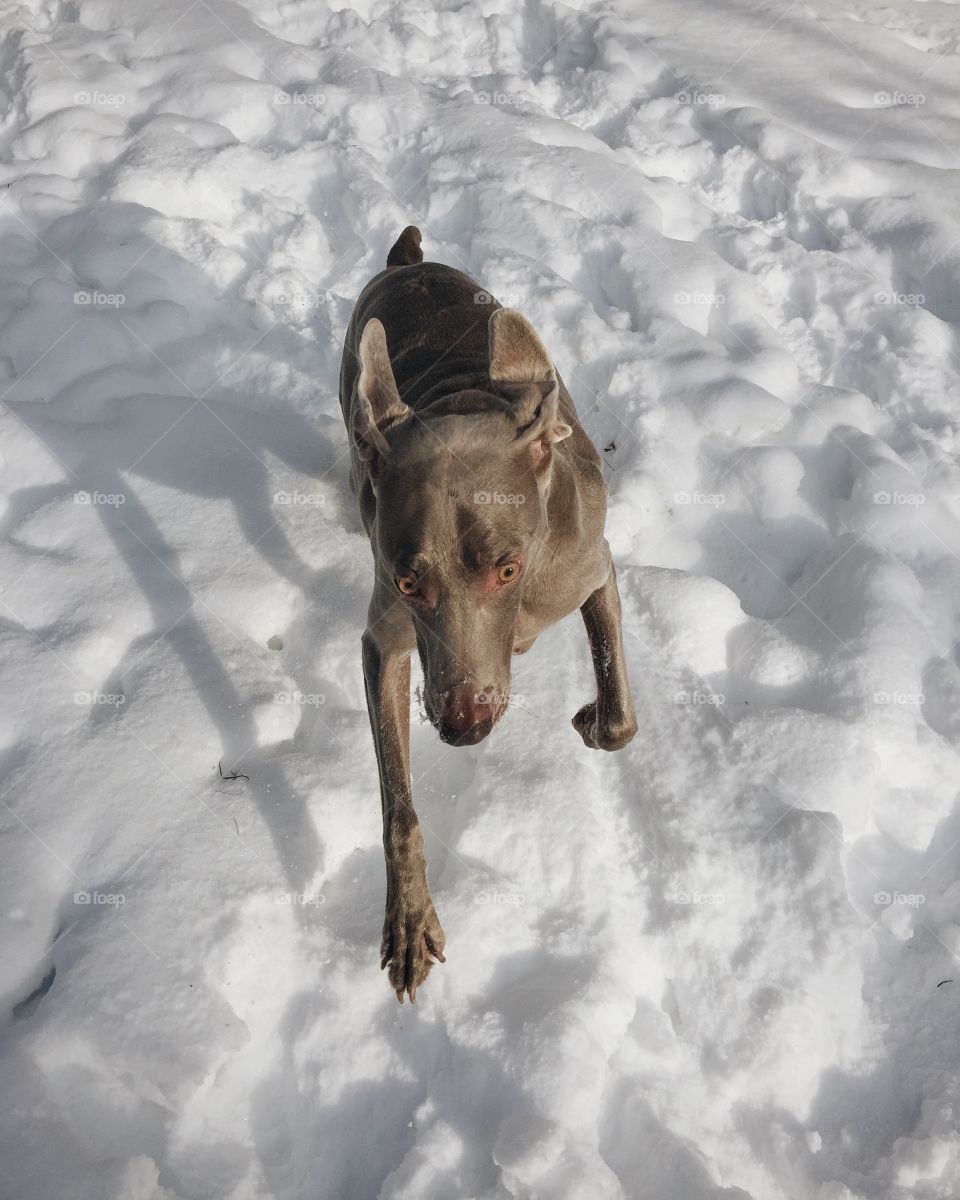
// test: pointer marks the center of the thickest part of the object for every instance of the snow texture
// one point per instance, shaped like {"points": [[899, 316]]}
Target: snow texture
{"points": [[718, 965]]}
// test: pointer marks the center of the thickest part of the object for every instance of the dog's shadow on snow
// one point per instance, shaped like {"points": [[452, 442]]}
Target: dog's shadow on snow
{"points": [[113, 425]]}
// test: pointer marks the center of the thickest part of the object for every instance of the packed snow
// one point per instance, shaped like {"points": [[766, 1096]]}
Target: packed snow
{"points": [[721, 963]]}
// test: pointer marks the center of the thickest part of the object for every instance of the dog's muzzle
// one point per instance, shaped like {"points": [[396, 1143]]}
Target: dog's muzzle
{"points": [[465, 714]]}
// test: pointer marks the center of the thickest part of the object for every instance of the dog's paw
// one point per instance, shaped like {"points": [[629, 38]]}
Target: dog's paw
{"points": [[412, 938], [603, 734]]}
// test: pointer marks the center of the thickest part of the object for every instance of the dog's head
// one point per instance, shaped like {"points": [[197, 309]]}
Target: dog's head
{"points": [[460, 513]]}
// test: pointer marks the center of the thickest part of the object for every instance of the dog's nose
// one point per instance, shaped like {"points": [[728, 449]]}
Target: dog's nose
{"points": [[468, 716]]}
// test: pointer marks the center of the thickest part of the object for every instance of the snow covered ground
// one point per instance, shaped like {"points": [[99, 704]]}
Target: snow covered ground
{"points": [[719, 964]]}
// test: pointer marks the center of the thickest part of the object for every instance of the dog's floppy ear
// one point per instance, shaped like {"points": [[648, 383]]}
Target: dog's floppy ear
{"points": [[379, 407], [521, 371]]}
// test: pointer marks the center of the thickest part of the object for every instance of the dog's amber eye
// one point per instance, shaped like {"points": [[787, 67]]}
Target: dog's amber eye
{"points": [[408, 583], [508, 572]]}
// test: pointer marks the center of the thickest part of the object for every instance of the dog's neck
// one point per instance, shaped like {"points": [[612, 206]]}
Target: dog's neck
{"points": [[563, 502]]}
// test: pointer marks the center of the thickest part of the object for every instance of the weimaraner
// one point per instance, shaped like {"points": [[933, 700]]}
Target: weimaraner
{"points": [[484, 502]]}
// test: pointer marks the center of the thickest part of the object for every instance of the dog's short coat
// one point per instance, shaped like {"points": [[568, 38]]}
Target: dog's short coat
{"points": [[484, 503]]}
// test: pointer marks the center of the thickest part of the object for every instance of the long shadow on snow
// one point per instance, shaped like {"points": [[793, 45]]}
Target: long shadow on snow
{"points": [[211, 450]]}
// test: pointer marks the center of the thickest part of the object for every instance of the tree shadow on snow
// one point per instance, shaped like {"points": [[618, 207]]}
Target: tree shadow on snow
{"points": [[114, 423]]}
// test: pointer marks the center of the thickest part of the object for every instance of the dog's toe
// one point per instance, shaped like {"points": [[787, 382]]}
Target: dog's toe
{"points": [[599, 734], [411, 942]]}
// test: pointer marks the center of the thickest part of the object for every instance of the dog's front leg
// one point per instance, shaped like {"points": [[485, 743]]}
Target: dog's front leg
{"points": [[411, 931], [608, 722]]}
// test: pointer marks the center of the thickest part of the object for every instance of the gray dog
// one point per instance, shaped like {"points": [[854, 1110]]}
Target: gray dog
{"points": [[484, 503]]}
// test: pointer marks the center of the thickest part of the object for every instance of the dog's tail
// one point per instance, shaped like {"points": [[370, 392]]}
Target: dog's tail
{"points": [[406, 249]]}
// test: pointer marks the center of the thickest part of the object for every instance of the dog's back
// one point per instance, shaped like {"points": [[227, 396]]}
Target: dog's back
{"points": [[436, 320]]}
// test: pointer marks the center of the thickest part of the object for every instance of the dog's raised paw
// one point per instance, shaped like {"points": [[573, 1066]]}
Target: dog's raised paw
{"points": [[412, 938], [603, 734]]}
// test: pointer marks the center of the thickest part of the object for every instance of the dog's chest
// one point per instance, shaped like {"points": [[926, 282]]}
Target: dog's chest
{"points": [[542, 607]]}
